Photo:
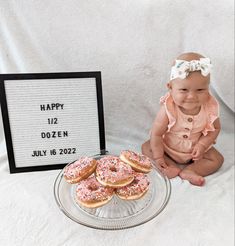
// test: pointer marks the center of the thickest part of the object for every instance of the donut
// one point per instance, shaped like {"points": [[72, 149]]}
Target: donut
{"points": [[91, 194], [136, 189], [79, 170], [112, 172], [138, 162]]}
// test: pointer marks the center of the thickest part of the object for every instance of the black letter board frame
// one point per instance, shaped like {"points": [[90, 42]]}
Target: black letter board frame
{"points": [[49, 76]]}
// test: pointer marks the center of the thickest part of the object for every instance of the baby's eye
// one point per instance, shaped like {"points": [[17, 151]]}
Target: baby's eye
{"points": [[200, 90], [183, 90]]}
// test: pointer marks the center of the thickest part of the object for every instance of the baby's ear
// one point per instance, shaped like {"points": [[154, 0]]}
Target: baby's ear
{"points": [[169, 86]]}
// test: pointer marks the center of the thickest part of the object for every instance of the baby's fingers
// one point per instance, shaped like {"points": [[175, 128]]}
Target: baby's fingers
{"points": [[198, 156], [195, 154], [160, 163], [163, 164]]}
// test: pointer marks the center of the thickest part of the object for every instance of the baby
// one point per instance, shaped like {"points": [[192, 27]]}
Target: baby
{"points": [[187, 123]]}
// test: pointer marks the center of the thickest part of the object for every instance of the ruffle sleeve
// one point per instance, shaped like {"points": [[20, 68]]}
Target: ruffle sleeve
{"points": [[169, 104], [212, 110]]}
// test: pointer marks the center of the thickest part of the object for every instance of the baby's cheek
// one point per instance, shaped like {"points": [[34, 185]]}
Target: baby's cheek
{"points": [[205, 98]]}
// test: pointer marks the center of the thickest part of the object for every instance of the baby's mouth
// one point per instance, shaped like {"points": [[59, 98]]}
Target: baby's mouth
{"points": [[190, 101]]}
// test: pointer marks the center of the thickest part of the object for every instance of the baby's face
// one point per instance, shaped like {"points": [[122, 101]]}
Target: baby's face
{"points": [[190, 93]]}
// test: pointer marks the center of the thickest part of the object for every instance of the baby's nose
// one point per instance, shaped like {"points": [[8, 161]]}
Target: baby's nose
{"points": [[192, 94]]}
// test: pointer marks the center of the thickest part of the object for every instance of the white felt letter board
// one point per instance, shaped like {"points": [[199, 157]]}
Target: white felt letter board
{"points": [[51, 119]]}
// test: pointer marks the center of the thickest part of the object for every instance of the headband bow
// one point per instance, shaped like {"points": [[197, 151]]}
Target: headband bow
{"points": [[182, 68]]}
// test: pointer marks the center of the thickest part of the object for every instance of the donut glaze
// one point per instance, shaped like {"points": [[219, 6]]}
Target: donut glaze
{"points": [[138, 162], [90, 193], [136, 189], [112, 172], [79, 170]]}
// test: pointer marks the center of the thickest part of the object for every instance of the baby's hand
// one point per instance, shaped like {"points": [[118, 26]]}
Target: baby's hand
{"points": [[198, 151], [160, 163]]}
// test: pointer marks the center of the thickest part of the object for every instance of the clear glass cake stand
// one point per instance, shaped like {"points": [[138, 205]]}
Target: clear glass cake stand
{"points": [[118, 213]]}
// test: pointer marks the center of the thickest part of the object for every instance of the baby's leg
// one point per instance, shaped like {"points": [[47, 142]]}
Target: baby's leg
{"points": [[171, 170], [211, 162], [146, 149]]}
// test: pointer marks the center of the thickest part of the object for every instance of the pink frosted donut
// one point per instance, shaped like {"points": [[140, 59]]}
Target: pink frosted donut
{"points": [[136, 189], [138, 162], [112, 172], [91, 194], [79, 170]]}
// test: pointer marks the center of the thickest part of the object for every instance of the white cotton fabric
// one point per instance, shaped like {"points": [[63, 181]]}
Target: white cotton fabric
{"points": [[182, 68]]}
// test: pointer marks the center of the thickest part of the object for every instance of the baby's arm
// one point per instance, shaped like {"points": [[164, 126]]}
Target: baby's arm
{"points": [[158, 129], [206, 141]]}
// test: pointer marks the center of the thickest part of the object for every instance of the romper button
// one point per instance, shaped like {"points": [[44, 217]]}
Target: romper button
{"points": [[190, 119], [185, 136]]}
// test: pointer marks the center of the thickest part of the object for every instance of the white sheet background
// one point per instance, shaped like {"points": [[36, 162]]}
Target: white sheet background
{"points": [[133, 44]]}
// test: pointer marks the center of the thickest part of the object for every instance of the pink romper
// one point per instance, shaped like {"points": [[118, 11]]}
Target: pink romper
{"points": [[184, 130]]}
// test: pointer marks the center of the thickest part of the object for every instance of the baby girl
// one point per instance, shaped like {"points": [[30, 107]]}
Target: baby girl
{"points": [[187, 123]]}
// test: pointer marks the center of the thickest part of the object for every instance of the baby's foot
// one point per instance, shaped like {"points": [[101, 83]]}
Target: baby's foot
{"points": [[192, 177], [171, 171]]}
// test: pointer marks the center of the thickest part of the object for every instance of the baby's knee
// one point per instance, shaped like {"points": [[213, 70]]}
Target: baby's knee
{"points": [[220, 159]]}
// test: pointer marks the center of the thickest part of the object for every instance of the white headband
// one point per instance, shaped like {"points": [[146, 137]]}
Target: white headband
{"points": [[182, 68]]}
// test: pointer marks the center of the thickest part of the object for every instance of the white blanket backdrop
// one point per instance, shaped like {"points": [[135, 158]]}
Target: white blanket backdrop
{"points": [[133, 44]]}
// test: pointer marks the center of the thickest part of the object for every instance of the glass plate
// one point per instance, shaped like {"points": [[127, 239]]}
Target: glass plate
{"points": [[118, 213]]}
